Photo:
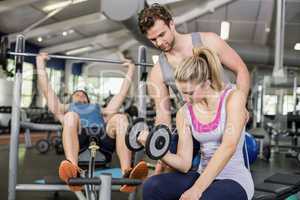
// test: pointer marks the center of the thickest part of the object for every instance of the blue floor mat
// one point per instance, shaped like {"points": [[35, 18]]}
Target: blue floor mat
{"points": [[115, 172]]}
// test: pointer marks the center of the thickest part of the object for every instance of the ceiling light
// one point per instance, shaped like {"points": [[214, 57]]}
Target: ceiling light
{"points": [[297, 46], [39, 39], [79, 50], [61, 4], [225, 29], [55, 6], [65, 33]]}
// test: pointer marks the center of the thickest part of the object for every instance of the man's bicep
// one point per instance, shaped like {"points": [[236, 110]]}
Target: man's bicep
{"points": [[230, 59], [228, 56]]}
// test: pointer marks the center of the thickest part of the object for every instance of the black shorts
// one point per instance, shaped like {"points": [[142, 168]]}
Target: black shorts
{"points": [[107, 145]]}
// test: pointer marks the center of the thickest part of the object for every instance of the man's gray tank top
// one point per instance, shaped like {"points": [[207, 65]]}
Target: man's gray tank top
{"points": [[168, 72]]}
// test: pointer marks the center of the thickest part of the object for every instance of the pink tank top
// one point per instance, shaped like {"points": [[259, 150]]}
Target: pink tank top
{"points": [[210, 137]]}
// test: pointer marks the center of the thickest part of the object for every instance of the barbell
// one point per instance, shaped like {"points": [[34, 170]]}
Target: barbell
{"points": [[4, 53]]}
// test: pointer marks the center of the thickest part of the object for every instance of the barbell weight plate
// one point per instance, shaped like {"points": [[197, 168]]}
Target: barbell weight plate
{"points": [[133, 132], [158, 142]]}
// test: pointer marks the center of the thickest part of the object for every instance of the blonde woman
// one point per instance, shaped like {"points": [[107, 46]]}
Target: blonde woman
{"points": [[215, 116]]}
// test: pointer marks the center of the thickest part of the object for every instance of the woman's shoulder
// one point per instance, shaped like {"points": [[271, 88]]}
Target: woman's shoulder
{"points": [[236, 97]]}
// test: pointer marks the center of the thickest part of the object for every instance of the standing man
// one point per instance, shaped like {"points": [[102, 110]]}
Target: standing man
{"points": [[157, 24]]}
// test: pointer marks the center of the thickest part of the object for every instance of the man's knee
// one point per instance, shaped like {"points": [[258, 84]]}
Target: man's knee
{"points": [[71, 119]]}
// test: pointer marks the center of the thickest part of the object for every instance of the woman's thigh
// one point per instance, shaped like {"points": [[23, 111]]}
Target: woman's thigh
{"points": [[169, 186], [224, 189]]}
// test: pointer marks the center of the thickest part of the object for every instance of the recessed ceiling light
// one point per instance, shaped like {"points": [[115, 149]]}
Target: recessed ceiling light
{"points": [[65, 33], [39, 39]]}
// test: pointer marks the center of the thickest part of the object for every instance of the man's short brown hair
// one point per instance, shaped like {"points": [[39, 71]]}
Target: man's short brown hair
{"points": [[149, 15]]}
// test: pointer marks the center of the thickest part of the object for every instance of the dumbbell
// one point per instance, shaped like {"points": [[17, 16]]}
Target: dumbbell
{"points": [[157, 143]]}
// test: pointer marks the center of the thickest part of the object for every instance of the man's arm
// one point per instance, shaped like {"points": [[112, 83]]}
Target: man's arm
{"points": [[230, 59], [53, 102], [159, 93], [116, 102]]}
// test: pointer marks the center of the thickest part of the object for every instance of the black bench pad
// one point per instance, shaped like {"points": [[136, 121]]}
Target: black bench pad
{"points": [[285, 179], [260, 195], [277, 189]]}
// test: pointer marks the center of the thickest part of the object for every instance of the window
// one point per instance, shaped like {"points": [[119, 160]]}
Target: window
{"points": [[97, 87], [74, 82], [288, 104], [94, 89], [27, 85], [54, 77], [27, 81], [71, 83], [269, 104], [109, 85]]}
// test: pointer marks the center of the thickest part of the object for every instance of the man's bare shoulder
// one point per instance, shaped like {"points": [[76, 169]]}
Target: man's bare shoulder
{"points": [[206, 35], [210, 40]]}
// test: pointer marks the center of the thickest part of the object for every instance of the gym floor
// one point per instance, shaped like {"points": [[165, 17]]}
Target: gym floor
{"points": [[33, 165]]}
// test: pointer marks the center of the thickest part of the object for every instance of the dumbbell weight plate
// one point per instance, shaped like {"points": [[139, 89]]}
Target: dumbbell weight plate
{"points": [[158, 142], [133, 132], [56, 140], [43, 146]]}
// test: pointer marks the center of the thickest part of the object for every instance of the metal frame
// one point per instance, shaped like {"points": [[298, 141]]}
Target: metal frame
{"points": [[142, 107], [106, 180], [15, 122]]}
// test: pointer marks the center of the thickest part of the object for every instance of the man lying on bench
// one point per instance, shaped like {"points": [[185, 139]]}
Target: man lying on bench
{"points": [[81, 113]]}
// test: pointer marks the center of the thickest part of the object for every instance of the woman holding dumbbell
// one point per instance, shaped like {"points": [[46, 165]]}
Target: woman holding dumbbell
{"points": [[215, 116]]}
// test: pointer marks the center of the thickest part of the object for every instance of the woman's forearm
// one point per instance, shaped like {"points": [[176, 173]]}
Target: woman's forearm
{"points": [[177, 162]]}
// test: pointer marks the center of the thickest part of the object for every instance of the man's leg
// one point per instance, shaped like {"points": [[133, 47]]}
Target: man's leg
{"points": [[70, 136], [116, 128]]}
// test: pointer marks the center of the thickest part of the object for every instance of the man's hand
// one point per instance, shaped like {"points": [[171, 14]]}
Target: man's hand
{"points": [[143, 137], [128, 63]]}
